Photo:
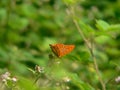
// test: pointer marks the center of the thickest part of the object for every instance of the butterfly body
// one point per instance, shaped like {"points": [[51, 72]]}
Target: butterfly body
{"points": [[60, 49]]}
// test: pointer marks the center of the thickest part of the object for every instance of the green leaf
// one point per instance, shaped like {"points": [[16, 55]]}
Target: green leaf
{"points": [[18, 23], [70, 1], [102, 39], [82, 85], [102, 25], [14, 37], [26, 84], [26, 10], [115, 27], [3, 54], [3, 14], [87, 29]]}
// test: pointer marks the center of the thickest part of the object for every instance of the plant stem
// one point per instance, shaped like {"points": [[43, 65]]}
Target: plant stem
{"points": [[89, 46], [37, 78]]}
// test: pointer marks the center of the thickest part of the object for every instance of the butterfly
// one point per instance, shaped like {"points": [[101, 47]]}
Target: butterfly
{"points": [[60, 49]]}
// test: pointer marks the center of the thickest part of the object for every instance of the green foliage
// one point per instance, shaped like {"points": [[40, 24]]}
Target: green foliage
{"points": [[27, 27], [26, 84], [102, 25]]}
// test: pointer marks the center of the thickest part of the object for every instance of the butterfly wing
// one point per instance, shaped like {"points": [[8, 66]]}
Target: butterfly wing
{"points": [[55, 49], [66, 49], [60, 49]]}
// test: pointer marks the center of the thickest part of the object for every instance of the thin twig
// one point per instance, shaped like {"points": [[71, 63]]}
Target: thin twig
{"points": [[89, 46]]}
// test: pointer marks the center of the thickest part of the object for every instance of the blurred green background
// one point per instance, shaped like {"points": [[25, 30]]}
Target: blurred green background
{"points": [[27, 27]]}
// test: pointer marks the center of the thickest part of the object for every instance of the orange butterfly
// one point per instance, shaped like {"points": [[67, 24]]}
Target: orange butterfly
{"points": [[60, 49]]}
